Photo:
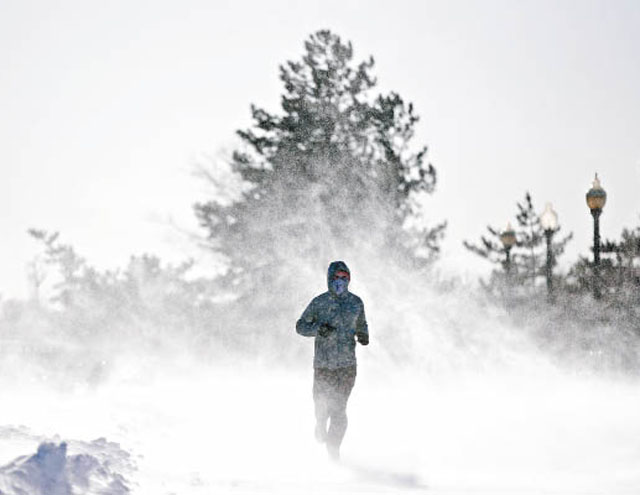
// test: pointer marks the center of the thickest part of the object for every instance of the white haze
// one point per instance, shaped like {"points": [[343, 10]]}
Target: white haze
{"points": [[452, 395], [450, 398]]}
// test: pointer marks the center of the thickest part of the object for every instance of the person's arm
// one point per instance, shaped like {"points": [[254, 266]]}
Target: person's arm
{"points": [[308, 325], [362, 329]]}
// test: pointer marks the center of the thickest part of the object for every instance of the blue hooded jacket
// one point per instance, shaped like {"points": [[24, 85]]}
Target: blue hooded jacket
{"points": [[345, 313]]}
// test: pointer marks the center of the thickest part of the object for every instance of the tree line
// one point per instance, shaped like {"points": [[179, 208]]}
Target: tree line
{"points": [[335, 173]]}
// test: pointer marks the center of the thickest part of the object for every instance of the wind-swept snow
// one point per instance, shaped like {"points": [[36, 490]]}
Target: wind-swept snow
{"points": [[193, 430]]}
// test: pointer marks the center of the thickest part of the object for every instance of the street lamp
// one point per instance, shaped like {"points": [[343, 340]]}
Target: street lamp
{"points": [[549, 223], [508, 238], [596, 198]]}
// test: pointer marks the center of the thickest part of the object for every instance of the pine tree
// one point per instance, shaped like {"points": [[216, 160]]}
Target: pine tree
{"points": [[619, 267], [335, 170], [530, 255]]}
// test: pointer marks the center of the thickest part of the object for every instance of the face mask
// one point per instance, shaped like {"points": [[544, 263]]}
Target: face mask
{"points": [[339, 285]]}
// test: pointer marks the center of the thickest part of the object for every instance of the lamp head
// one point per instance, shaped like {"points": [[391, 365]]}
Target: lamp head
{"points": [[508, 237], [596, 196], [549, 219]]}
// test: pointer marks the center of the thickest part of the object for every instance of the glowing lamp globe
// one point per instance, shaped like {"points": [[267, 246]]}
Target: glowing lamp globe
{"points": [[508, 237], [596, 196], [549, 219]]}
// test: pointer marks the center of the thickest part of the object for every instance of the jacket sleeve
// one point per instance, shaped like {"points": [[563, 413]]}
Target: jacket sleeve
{"points": [[361, 323], [308, 324]]}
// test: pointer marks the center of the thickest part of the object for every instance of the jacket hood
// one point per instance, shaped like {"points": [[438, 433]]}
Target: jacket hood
{"points": [[336, 266]]}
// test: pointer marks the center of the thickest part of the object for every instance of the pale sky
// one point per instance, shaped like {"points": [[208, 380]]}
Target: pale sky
{"points": [[105, 107]]}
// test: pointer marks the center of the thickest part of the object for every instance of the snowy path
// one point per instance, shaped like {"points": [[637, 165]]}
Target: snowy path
{"points": [[202, 431]]}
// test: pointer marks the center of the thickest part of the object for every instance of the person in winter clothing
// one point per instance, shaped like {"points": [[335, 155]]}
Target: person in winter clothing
{"points": [[336, 319]]}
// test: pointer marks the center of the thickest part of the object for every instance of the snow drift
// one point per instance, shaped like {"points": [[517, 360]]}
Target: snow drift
{"points": [[76, 468]]}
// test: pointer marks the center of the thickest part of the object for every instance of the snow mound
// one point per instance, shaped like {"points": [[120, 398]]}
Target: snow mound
{"points": [[97, 469]]}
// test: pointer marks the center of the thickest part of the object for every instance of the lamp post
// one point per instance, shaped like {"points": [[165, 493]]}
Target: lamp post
{"points": [[508, 239], [549, 223], [596, 198]]}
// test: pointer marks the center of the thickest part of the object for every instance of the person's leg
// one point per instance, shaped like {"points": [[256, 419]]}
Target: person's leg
{"points": [[321, 392], [342, 384]]}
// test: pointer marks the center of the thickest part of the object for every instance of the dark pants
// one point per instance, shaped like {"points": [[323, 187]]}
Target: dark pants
{"points": [[331, 390]]}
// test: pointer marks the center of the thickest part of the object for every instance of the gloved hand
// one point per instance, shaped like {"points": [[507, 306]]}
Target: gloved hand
{"points": [[363, 338], [325, 329]]}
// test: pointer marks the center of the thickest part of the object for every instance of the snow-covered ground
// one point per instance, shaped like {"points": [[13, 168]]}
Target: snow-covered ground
{"points": [[187, 429]]}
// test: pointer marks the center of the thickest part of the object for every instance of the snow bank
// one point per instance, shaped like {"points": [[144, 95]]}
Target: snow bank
{"points": [[95, 469]]}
